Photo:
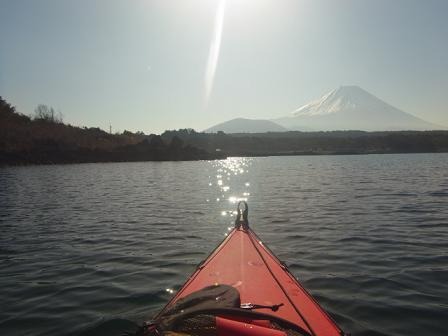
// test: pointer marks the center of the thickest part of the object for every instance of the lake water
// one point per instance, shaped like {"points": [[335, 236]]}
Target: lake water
{"points": [[87, 249]]}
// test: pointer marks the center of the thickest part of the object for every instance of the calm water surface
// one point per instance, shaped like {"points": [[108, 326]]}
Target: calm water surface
{"points": [[88, 249]]}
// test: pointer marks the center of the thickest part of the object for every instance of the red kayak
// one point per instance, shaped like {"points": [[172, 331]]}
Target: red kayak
{"points": [[242, 289]]}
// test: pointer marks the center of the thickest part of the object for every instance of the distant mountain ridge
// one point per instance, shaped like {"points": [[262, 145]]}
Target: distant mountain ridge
{"points": [[345, 108], [242, 125]]}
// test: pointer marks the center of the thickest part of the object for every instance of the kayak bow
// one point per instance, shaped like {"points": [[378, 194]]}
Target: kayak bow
{"points": [[265, 286]]}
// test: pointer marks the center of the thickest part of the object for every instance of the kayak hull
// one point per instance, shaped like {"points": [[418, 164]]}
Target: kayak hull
{"points": [[245, 263]]}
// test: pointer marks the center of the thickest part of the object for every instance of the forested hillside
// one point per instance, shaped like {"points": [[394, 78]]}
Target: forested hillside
{"points": [[44, 138]]}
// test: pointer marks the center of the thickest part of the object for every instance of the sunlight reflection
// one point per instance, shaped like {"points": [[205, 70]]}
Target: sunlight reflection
{"points": [[234, 199], [234, 172]]}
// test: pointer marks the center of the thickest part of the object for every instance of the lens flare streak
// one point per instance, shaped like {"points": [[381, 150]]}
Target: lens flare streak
{"points": [[215, 47]]}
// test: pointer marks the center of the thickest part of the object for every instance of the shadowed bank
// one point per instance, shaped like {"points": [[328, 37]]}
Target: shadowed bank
{"points": [[44, 140]]}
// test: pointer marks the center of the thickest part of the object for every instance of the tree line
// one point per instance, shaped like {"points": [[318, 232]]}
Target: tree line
{"points": [[45, 138]]}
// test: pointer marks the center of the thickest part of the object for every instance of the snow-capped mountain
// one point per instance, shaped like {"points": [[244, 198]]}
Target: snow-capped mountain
{"points": [[241, 125], [345, 108], [352, 108]]}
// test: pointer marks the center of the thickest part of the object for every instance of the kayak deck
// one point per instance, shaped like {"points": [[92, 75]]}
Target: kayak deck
{"points": [[243, 262]]}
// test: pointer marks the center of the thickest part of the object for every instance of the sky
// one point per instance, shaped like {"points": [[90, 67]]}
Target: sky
{"points": [[152, 65]]}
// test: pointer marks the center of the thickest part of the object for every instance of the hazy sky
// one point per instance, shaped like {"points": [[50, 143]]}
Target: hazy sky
{"points": [[142, 64]]}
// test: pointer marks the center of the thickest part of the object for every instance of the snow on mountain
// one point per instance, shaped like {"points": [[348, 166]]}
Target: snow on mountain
{"points": [[352, 108], [345, 108], [343, 98], [241, 125]]}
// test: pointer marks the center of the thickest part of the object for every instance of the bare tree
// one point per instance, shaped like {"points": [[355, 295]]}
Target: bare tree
{"points": [[47, 113]]}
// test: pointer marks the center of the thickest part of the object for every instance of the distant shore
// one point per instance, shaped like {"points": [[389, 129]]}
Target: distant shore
{"points": [[316, 143], [336, 153], [92, 156], [201, 146], [45, 139], [26, 159]]}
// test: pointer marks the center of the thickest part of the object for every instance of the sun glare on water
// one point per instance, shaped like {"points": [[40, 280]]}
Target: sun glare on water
{"points": [[233, 190]]}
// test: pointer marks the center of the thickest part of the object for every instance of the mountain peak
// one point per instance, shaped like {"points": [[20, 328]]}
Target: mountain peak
{"points": [[243, 125], [349, 90], [350, 107], [344, 98]]}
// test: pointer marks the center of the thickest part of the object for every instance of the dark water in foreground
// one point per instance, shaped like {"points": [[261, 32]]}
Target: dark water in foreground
{"points": [[86, 248]]}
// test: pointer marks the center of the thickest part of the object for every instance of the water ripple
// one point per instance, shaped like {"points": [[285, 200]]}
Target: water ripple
{"points": [[93, 249]]}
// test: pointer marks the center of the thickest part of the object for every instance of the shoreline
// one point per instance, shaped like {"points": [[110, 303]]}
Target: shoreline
{"points": [[211, 158]]}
